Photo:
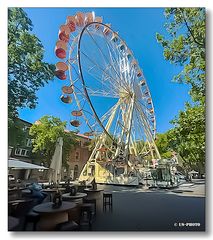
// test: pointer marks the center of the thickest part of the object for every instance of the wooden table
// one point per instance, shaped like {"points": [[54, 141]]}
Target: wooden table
{"points": [[93, 190], [93, 193], [12, 223], [50, 217], [75, 198], [51, 191]]}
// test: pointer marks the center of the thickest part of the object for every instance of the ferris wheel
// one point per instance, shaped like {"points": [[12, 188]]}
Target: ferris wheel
{"points": [[109, 96]]}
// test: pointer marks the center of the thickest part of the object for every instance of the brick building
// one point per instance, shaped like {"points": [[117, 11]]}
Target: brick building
{"points": [[77, 158]]}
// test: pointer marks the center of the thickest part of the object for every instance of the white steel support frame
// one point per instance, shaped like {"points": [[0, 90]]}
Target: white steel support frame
{"points": [[100, 143]]}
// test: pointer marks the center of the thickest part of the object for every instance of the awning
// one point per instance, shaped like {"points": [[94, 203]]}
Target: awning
{"points": [[193, 172], [17, 164]]}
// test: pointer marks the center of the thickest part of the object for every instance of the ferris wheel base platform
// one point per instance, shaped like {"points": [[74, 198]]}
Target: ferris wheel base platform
{"points": [[120, 180]]}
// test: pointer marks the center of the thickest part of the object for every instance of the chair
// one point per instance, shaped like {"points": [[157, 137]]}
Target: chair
{"points": [[86, 210], [20, 209], [31, 217], [107, 200], [67, 226], [92, 201]]}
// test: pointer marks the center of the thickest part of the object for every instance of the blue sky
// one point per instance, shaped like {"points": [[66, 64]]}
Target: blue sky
{"points": [[138, 27]]}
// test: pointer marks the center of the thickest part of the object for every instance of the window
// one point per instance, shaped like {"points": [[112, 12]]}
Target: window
{"points": [[27, 153], [17, 151], [28, 142], [77, 156], [26, 128], [75, 171], [21, 152]]}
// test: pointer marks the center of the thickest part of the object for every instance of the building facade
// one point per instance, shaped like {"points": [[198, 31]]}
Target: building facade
{"points": [[78, 157], [23, 151], [20, 146]]}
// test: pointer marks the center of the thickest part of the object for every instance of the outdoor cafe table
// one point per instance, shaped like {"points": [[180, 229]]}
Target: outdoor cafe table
{"points": [[78, 196], [50, 217], [93, 193], [51, 191]]}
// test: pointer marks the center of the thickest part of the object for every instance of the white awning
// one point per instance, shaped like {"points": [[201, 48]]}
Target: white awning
{"points": [[193, 172], [17, 164]]}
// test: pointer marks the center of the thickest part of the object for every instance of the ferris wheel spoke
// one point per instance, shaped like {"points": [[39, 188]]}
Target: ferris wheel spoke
{"points": [[103, 83], [138, 126], [145, 122], [114, 50], [130, 78], [97, 45], [107, 114], [141, 123], [105, 57], [133, 75], [114, 60], [113, 86], [111, 92], [146, 108], [117, 55], [100, 93], [107, 63], [115, 132]]}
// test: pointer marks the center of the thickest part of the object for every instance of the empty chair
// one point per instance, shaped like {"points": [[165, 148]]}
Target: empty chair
{"points": [[86, 215], [107, 200], [67, 226], [31, 217], [92, 201]]}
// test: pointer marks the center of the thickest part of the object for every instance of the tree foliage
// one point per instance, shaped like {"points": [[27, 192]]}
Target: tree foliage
{"points": [[163, 145], [27, 71], [188, 136], [45, 133], [185, 46]]}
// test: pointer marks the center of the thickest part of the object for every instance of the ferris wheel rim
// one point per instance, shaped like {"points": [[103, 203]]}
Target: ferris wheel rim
{"points": [[83, 80]]}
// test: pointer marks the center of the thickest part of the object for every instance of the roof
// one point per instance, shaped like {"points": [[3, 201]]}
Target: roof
{"points": [[82, 135], [17, 164], [22, 120]]}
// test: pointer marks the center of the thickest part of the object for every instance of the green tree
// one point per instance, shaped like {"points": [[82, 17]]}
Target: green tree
{"points": [[185, 46], [188, 137], [27, 71], [45, 133], [163, 145]]}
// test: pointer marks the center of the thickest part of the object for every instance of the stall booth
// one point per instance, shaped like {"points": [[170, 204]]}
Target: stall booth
{"points": [[164, 173]]}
